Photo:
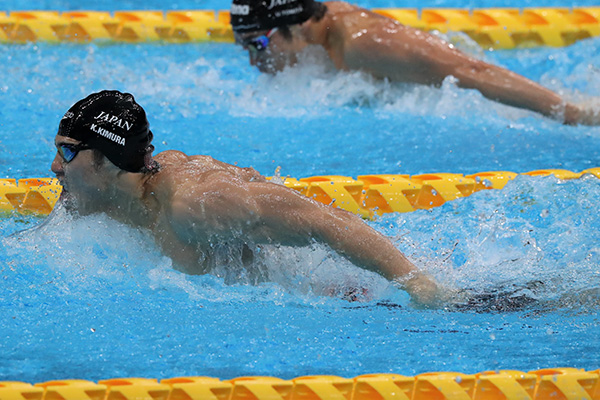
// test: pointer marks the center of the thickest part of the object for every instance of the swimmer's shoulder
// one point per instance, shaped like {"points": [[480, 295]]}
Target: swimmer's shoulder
{"points": [[178, 158], [170, 157], [347, 19], [179, 165], [340, 7], [176, 168]]}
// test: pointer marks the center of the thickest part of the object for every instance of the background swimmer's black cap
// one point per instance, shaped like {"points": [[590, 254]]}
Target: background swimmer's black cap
{"points": [[259, 15], [113, 123]]}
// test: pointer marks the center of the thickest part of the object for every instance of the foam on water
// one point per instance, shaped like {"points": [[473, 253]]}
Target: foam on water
{"points": [[536, 236], [206, 99], [180, 84], [86, 254], [84, 297], [179, 74]]}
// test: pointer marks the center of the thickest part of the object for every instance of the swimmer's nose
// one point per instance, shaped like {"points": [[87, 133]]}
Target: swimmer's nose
{"points": [[57, 165]]}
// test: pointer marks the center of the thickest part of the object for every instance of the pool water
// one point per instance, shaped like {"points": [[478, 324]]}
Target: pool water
{"points": [[92, 299]]}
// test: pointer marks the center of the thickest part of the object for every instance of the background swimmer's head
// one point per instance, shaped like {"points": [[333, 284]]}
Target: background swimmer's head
{"points": [[271, 30], [114, 124], [253, 15]]}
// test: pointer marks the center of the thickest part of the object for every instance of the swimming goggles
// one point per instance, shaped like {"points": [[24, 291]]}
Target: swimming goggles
{"points": [[261, 42], [69, 151]]}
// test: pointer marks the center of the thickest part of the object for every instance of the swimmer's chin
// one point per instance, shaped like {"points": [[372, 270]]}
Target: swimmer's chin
{"points": [[272, 68], [67, 200], [267, 69]]}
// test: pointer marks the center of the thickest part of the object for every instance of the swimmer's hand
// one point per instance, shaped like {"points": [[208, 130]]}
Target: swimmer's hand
{"points": [[423, 290], [583, 114]]}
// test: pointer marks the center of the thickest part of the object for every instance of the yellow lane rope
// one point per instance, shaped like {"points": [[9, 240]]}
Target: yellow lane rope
{"points": [[499, 28], [545, 384], [367, 196]]}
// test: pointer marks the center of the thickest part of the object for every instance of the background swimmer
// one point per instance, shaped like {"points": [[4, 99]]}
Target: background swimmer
{"points": [[194, 205], [274, 32]]}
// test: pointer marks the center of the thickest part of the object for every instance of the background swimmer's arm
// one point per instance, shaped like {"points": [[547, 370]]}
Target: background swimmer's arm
{"points": [[406, 54]]}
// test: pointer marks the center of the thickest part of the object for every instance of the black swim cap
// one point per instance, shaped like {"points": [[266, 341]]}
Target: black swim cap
{"points": [[113, 123], [262, 15]]}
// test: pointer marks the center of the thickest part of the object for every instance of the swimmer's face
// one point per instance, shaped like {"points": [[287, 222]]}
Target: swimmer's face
{"points": [[79, 174], [270, 51]]}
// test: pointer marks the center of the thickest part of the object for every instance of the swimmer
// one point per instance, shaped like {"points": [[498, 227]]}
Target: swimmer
{"points": [[274, 32], [194, 204]]}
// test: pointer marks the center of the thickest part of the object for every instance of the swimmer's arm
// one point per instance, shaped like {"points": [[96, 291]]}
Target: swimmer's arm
{"points": [[293, 218], [263, 212], [407, 54]]}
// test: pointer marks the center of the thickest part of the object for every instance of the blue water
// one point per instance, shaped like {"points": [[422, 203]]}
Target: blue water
{"points": [[92, 299]]}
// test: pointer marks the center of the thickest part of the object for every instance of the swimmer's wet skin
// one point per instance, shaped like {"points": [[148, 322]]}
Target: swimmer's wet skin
{"points": [[192, 204], [358, 39]]}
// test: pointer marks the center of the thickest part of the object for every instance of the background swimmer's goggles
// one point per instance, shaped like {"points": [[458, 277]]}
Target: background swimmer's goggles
{"points": [[259, 43], [69, 151]]}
